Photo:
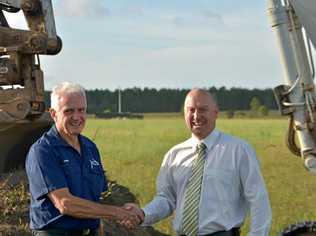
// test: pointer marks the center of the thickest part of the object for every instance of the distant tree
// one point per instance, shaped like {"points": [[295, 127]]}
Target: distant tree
{"points": [[255, 104], [263, 110], [257, 109], [140, 100]]}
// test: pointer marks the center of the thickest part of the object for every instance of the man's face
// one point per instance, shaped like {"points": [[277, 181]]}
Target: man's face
{"points": [[200, 112], [70, 117]]}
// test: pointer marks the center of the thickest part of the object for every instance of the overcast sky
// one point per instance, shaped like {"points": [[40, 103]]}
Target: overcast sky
{"points": [[163, 44]]}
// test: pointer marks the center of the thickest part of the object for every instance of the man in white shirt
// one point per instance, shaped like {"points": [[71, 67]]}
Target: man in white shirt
{"points": [[230, 185]]}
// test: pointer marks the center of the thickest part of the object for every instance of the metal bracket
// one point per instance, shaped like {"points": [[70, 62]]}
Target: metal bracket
{"points": [[281, 96]]}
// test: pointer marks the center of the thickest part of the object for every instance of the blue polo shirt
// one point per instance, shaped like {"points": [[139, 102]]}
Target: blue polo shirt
{"points": [[53, 164]]}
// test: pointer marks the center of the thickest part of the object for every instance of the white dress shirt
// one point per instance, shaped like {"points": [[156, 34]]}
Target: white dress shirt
{"points": [[232, 185]]}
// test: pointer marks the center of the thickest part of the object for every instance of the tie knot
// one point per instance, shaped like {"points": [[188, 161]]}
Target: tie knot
{"points": [[201, 147]]}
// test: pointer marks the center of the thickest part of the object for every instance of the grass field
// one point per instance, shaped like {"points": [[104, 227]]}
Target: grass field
{"points": [[132, 151]]}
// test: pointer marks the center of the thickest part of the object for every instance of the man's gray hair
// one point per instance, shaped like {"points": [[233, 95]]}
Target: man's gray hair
{"points": [[62, 89]]}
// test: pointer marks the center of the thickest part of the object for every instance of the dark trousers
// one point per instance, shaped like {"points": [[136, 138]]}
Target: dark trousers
{"points": [[232, 232], [63, 232]]}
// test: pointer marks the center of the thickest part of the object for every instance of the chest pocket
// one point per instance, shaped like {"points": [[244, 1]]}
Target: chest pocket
{"points": [[68, 163], [70, 168], [73, 176], [223, 183]]}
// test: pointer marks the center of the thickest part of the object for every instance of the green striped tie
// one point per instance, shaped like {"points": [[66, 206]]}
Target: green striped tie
{"points": [[190, 220]]}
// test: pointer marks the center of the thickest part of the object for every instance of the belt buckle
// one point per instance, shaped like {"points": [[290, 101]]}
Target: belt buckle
{"points": [[86, 232]]}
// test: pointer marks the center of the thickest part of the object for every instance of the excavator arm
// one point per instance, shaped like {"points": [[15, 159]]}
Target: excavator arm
{"points": [[22, 108], [296, 98], [19, 58], [294, 24]]}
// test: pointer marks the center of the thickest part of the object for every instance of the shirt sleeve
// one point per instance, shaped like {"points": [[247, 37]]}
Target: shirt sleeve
{"points": [[255, 193], [44, 172], [163, 203]]}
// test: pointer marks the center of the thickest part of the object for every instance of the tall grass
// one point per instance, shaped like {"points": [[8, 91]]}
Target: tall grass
{"points": [[132, 151]]}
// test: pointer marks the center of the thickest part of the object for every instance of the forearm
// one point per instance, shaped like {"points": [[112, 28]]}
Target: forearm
{"points": [[82, 208], [158, 209], [71, 205]]}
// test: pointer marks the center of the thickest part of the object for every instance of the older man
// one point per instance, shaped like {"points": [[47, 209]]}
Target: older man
{"points": [[210, 180], [65, 173]]}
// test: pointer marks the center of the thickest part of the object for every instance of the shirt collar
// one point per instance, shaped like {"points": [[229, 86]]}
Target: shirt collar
{"points": [[57, 140], [209, 140]]}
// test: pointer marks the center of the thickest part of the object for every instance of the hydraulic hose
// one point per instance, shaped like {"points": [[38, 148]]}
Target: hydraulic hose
{"points": [[290, 138]]}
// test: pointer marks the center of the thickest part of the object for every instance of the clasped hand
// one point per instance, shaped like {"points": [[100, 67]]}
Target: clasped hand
{"points": [[134, 216]]}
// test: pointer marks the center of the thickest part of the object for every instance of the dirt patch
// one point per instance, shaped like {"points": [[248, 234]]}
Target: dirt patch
{"points": [[14, 204], [15, 198]]}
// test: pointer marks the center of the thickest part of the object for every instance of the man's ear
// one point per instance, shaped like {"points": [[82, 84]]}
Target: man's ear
{"points": [[52, 113]]}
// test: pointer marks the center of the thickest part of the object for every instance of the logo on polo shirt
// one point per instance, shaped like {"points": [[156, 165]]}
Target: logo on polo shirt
{"points": [[93, 163]]}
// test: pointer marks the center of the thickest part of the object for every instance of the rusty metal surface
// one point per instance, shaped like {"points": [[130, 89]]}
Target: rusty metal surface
{"points": [[16, 138], [22, 117], [19, 59]]}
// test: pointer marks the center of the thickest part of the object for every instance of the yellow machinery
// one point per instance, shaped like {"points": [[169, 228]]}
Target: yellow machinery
{"points": [[22, 108]]}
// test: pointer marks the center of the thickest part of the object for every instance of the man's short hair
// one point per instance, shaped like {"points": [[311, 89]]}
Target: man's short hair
{"points": [[202, 91], [62, 89]]}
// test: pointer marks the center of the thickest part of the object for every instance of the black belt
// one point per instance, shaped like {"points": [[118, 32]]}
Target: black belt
{"points": [[65, 232], [232, 232]]}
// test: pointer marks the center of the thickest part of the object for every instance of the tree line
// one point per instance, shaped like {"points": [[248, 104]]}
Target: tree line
{"points": [[139, 100]]}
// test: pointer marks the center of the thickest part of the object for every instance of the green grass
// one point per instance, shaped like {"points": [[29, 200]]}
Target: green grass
{"points": [[132, 151]]}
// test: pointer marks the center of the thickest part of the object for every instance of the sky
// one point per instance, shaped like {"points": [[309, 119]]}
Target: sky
{"points": [[110, 44]]}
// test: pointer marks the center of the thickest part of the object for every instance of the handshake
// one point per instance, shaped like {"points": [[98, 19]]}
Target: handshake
{"points": [[130, 215]]}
